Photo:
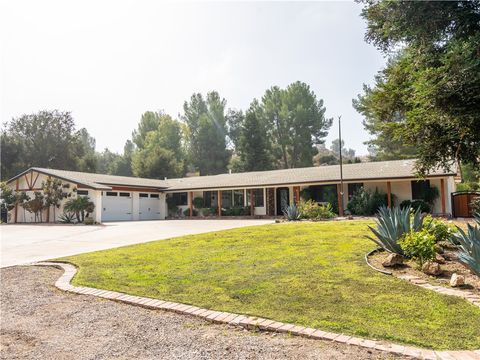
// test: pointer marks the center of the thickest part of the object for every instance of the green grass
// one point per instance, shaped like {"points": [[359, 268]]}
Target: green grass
{"points": [[312, 274]]}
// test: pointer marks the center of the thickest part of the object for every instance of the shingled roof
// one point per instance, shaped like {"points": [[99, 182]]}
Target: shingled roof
{"points": [[382, 170], [396, 169]]}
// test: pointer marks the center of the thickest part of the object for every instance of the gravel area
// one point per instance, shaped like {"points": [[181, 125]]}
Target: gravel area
{"points": [[39, 321]]}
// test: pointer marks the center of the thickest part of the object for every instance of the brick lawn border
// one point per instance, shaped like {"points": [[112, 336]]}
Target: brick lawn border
{"points": [[249, 322]]}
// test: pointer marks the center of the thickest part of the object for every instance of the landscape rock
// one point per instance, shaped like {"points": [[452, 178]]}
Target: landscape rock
{"points": [[432, 268], [457, 280], [392, 260], [439, 259]]}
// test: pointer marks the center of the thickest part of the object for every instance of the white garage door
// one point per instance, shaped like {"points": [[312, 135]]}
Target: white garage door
{"points": [[149, 207], [116, 206]]}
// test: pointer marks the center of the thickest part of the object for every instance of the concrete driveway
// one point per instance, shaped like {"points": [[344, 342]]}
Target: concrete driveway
{"points": [[21, 244]]}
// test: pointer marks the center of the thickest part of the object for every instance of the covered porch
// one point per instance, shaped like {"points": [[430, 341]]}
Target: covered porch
{"points": [[270, 201]]}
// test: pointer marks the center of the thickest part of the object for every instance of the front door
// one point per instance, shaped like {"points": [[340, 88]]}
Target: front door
{"points": [[283, 199]]}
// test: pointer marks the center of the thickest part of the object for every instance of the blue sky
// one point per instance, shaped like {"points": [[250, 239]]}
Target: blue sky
{"points": [[109, 61]]}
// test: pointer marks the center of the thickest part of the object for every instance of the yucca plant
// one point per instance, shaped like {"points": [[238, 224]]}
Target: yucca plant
{"points": [[393, 224], [292, 213], [470, 245]]}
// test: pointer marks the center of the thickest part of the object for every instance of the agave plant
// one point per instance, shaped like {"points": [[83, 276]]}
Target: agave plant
{"points": [[470, 245], [292, 213], [392, 224]]}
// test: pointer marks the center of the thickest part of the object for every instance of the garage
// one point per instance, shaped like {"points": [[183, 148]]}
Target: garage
{"points": [[116, 206], [149, 208]]}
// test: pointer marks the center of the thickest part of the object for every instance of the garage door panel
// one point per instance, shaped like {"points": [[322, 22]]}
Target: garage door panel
{"points": [[149, 209], [116, 208]]}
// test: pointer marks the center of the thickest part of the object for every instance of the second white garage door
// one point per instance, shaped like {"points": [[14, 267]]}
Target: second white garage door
{"points": [[116, 206], [149, 207]]}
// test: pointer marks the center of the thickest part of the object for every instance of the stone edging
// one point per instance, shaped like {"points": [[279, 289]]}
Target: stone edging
{"points": [[470, 296], [249, 322]]}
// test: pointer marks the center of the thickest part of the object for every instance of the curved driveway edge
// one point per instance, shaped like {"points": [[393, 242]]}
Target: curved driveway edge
{"points": [[248, 322]]}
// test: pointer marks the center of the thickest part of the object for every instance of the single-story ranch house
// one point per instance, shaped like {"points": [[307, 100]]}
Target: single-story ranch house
{"points": [[262, 193]]}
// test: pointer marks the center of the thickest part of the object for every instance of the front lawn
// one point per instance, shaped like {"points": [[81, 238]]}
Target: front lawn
{"points": [[312, 274]]}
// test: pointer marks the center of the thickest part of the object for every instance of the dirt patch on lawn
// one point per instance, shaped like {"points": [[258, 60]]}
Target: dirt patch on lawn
{"points": [[451, 266]]}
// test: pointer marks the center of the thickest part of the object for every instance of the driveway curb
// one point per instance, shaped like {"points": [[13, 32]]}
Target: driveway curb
{"points": [[249, 322]]}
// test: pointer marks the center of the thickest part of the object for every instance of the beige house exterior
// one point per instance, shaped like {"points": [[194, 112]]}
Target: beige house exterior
{"points": [[264, 193]]}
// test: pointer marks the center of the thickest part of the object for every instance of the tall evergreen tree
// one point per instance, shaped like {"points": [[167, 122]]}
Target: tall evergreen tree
{"points": [[298, 123], [206, 133], [254, 143]]}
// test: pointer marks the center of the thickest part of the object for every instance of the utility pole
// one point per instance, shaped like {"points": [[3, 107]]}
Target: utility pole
{"points": [[340, 200]]}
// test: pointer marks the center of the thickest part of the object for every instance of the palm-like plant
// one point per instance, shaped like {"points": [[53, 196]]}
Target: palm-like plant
{"points": [[470, 245], [79, 206], [392, 224]]}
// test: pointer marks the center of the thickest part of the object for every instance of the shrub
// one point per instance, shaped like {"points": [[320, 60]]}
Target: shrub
{"points": [[392, 225], [364, 202], [198, 202], [186, 212], [475, 205], [310, 209], [439, 229], [206, 212], [417, 204], [80, 206], [419, 246], [89, 221], [430, 195], [291, 213], [470, 245], [468, 186], [67, 218]]}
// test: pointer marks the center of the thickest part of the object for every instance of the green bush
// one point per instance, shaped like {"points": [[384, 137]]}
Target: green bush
{"points": [[198, 202], [367, 203], [419, 246], [310, 209], [475, 204], [66, 218], [439, 229], [417, 204], [292, 213], [470, 245], [468, 186], [186, 212]]}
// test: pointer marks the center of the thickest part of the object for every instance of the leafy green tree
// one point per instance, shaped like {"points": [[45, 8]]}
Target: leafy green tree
{"points": [[206, 132], [149, 122], [235, 120], [253, 142], [298, 123], [106, 161], [123, 165], [428, 96], [35, 205], [44, 139], [54, 191], [162, 152]]}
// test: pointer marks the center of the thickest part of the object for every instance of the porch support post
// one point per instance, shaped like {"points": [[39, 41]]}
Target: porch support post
{"points": [[219, 202], [16, 205], [190, 202], [442, 196], [389, 194], [296, 195], [252, 208], [340, 200]]}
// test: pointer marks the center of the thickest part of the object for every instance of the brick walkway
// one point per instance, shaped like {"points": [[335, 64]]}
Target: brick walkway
{"points": [[248, 322]]}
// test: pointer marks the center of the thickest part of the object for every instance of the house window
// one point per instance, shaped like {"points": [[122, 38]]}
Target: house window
{"points": [[111, 193], [353, 188], [143, 195], [257, 198], [180, 199], [82, 192], [125, 194], [419, 189], [154, 196], [210, 199], [238, 198], [324, 193], [226, 199]]}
